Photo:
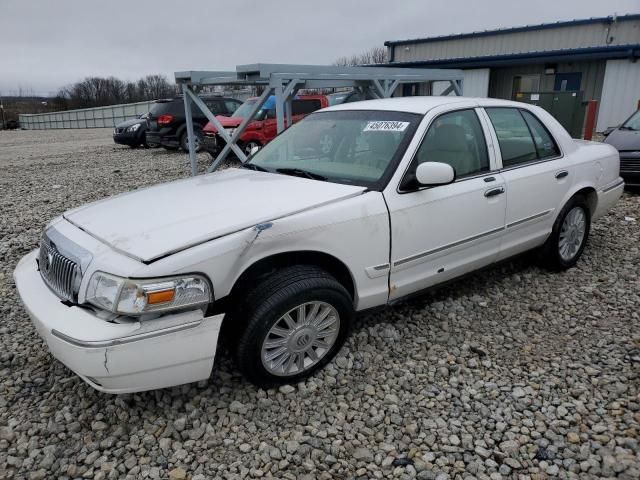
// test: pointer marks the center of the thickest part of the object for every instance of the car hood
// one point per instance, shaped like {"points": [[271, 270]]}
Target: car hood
{"points": [[624, 139], [163, 219], [128, 123], [229, 122]]}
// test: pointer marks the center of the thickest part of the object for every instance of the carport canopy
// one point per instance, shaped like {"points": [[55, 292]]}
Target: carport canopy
{"points": [[284, 81]]}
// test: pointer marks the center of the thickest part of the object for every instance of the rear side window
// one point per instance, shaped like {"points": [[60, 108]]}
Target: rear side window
{"points": [[303, 107], [514, 137], [545, 145]]}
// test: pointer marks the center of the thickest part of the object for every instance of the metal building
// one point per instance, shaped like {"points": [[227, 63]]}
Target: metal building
{"points": [[595, 59]]}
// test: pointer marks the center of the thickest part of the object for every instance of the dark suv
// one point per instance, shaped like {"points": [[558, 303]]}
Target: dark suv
{"points": [[167, 124]]}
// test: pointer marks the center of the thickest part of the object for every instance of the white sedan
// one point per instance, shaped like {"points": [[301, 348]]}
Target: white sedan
{"points": [[359, 205]]}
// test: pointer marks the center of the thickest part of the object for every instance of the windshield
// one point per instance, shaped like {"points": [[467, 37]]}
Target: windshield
{"points": [[244, 109], [634, 122], [352, 147]]}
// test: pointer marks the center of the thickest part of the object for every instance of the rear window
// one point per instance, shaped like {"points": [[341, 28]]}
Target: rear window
{"points": [[303, 107], [167, 106]]}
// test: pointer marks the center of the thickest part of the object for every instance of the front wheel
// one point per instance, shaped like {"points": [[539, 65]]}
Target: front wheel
{"points": [[297, 320], [569, 235], [249, 146]]}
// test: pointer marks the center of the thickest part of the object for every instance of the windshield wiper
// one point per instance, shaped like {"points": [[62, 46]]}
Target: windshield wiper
{"points": [[301, 173], [253, 166]]}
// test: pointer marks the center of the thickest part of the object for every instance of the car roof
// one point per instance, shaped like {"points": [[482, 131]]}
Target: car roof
{"points": [[420, 105]]}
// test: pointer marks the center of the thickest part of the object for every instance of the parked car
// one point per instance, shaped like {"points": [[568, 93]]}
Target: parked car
{"points": [[167, 124], [263, 128], [348, 97], [132, 133], [283, 251], [626, 138]]}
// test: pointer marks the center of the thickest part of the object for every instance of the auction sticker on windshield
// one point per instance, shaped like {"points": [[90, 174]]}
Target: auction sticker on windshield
{"points": [[386, 126]]}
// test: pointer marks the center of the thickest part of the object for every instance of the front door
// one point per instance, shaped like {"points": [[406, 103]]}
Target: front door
{"points": [[443, 231]]}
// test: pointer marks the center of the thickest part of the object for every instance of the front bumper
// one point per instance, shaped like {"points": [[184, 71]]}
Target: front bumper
{"points": [[127, 138], [119, 357], [209, 143]]}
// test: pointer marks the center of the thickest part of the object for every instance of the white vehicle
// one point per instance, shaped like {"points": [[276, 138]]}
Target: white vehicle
{"points": [[357, 206]]}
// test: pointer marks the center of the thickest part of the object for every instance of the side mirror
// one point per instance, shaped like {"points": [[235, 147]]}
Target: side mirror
{"points": [[435, 173], [254, 150]]}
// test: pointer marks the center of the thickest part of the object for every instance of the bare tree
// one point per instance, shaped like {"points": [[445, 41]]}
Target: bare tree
{"points": [[372, 56], [99, 91]]}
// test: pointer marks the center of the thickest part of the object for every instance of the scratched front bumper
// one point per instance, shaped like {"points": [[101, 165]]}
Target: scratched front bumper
{"points": [[119, 357]]}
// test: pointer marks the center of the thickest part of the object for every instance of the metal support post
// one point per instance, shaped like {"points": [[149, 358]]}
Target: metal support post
{"points": [[457, 86], [236, 135], [216, 123], [187, 111]]}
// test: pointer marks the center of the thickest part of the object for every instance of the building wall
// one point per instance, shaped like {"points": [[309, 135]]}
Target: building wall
{"points": [[501, 79], [620, 93], [562, 37], [474, 84]]}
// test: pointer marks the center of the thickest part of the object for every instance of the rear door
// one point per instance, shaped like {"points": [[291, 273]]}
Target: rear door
{"points": [[536, 177]]}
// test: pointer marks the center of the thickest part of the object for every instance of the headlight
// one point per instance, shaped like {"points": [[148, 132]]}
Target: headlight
{"points": [[133, 128], [135, 297]]}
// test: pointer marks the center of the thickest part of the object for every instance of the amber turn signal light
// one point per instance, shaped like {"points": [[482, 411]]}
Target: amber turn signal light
{"points": [[162, 296]]}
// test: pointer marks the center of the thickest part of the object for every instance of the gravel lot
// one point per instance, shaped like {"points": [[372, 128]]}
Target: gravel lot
{"points": [[511, 373]]}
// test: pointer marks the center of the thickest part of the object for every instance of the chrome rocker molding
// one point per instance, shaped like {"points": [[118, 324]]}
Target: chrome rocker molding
{"points": [[417, 256]]}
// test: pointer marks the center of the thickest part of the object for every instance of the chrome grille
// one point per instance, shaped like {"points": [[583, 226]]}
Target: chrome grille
{"points": [[57, 271], [630, 164]]}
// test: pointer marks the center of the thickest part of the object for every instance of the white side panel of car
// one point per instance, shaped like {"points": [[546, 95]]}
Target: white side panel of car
{"points": [[355, 231]]}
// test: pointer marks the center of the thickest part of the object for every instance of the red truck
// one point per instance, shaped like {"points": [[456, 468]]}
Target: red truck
{"points": [[262, 129]]}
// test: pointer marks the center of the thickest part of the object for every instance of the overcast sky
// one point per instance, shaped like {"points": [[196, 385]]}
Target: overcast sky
{"points": [[46, 44]]}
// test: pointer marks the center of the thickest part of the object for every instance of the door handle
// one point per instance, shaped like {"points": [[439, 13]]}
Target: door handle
{"points": [[493, 192], [562, 174]]}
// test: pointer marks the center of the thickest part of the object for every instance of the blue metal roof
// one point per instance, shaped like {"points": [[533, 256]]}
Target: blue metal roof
{"points": [[573, 55], [525, 28]]}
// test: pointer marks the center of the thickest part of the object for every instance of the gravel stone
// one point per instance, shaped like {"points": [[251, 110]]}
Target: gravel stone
{"points": [[512, 372]]}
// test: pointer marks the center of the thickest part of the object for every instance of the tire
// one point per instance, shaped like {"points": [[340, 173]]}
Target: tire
{"points": [[248, 146], [284, 293], [184, 141], [567, 241]]}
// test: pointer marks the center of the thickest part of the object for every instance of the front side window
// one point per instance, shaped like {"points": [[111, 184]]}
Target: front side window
{"points": [[352, 147], [455, 138], [514, 138]]}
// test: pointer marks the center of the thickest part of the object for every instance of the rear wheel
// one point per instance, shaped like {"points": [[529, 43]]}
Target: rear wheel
{"points": [[197, 141], [296, 321], [569, 235]]}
